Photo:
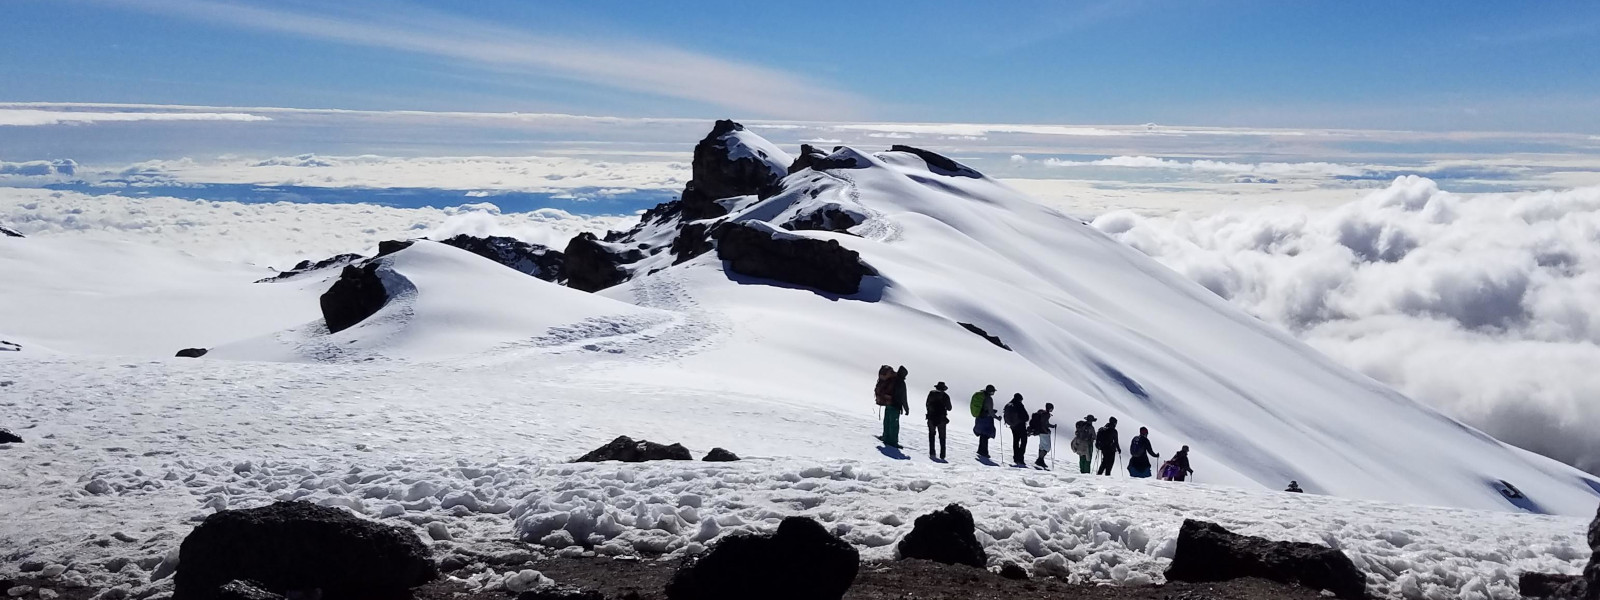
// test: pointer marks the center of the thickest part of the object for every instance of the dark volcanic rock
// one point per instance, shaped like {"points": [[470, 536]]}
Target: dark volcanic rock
{"points": [[192, 352], [297, 547], [6, 437], [945, 536], [802, 561], [1012, 570], [306, 266], [757, 250], [626, 450], [356, 295], [827, 218], [8, 232], [817, 160], [532, 259], [244, 590], [561, 592], [938, 163], [1591, 574], [1207, 552], [591, 265], [388, 247], [1551, 585], [985, 335], [717, 175], [720, 455]]}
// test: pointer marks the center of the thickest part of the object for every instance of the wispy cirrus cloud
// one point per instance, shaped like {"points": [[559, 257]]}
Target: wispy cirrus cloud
{"points": [[619, 64]]}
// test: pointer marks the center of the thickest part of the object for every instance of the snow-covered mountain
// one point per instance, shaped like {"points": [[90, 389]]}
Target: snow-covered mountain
{"points": [[787, 282]]}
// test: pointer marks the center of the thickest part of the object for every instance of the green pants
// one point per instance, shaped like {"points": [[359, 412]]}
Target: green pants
{"points": [[891, 427], [1084, 463]]}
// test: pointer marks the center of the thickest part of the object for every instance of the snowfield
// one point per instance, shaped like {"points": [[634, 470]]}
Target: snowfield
{"points": [[457, 407]]}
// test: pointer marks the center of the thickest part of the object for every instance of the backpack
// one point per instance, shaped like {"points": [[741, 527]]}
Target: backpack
{"points": [[1039, 424], [884, 394], [1169, 471], [977, 404], [1085, 432], [1106, 439], [1016, 414]]}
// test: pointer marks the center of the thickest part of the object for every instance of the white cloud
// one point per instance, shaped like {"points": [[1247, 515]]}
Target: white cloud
{"points": [[21, 117], [275, 234], [1307, 169], [1481, 305], [484, 173], [976, 130], [607, 62]]}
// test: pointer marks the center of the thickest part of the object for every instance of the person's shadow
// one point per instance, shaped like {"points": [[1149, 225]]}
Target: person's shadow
{"points": [[893, 453], [988, 462]]}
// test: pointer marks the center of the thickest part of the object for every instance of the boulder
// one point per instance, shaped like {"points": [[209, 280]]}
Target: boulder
{"points": [[192, 353], [938, 163], [1207, 552], [626, 450], [8, 232], [561, 592], [6, 437], [720, 455], [985, 335], [592, 265], [760, 250], [240, 589], [291, 548], [947, 536], [1551, 585], [531, 259], [817, 160], [357, 294], [801, 561], [307, 266], [388, 247], [1012, 570]]}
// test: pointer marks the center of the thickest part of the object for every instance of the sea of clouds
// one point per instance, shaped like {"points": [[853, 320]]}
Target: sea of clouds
{"points": [[1484, 306]]}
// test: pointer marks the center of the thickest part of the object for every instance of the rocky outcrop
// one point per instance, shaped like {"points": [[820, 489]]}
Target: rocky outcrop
{"points": [[1591, 574], [801, 561], [1552, 585], [6, 346], [947, 536], [593, 265], [725, 166], [307, 266], [561, 592], [192, 352], [531, 259], [626, 450], [720, 455], [1012, 570], [817, 160], [8, 232], [985, 335], [239, 589], [6, 437], [298, 548], [1207, 552], [938, 163], [357, 294], [759, 250]]}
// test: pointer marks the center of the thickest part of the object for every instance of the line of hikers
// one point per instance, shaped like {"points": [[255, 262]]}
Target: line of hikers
{"points": [[891, 394]]}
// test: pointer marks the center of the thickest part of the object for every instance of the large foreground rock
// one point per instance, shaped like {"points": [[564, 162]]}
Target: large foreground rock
{"points": [[357, 294], [300, 547], [1551, 585], [1591, 575], [1207, 552], [801, 561], [760, 250], [948, 536], [6, 437], [626, 450]]}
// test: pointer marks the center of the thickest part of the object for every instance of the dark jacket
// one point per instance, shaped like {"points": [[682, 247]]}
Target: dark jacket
{"points": [[1016, 415], [1139, 453], [1181, 458], [1106, 440], [900, 402], [938, 407], [1040, 423]]}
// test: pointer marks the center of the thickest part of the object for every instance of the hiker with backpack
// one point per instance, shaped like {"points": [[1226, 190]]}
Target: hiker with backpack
{"points": [[1083, 443], [1016, 417], [897, 406], [1041, 426], [1294, 487], [1109, 446], [1177, 467], [1140, 452], [984, 417], [938, 416]]}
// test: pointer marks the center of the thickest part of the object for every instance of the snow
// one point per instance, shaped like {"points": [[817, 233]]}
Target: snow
{"points": [[455, 409], [744, 144]]}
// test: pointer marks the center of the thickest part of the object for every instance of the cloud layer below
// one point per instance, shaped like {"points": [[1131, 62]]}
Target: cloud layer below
{"points": [[1483, 306]]}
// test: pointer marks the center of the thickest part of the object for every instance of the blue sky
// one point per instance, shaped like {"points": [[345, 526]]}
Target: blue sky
{"points": [[1429, 65]]}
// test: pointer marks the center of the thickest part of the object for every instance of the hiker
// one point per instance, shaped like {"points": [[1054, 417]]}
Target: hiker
{"points": [[1041, 426], [897, 405], [1294, 486], [1083, 443], [1180, 465], [938, 416], [1140, 452], [1109, 446], [1017, 419], [984, 414]]}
